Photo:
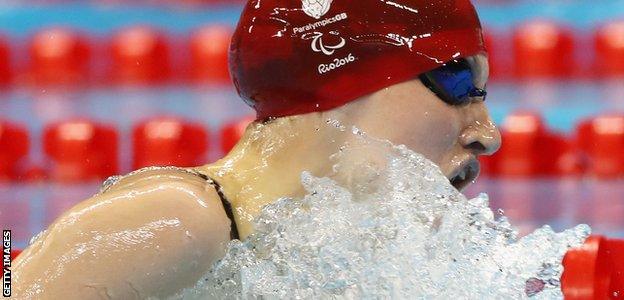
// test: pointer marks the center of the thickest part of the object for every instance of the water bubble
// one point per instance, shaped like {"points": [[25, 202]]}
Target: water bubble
{"points": [[357, 131], [407, 234]]}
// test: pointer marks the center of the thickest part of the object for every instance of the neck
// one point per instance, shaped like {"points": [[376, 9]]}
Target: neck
{"points": [[267, 162]]}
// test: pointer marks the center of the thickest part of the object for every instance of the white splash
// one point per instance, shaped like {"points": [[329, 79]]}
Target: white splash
{"points": [[387, 224]]}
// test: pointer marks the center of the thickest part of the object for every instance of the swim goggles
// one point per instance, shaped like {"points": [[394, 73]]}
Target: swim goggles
{"points": [[453, 83]]}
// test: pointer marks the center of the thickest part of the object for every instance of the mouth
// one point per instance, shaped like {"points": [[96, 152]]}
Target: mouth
{"points": [[465, 174]]}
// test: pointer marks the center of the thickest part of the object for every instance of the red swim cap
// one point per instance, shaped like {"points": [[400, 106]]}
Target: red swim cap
{"points": [[291, 57]]}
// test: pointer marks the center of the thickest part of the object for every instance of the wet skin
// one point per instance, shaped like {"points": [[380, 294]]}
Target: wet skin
{"points": [[267, 163], [156, 232]]}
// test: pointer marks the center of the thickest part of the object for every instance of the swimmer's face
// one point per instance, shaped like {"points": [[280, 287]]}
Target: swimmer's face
{"points": [[452, 136]]}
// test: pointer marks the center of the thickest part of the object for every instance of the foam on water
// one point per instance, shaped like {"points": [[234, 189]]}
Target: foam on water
{"points": [[388, 224]]}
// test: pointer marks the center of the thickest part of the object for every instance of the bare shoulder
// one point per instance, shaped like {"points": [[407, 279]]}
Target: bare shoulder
{"points": [[148, 235]]}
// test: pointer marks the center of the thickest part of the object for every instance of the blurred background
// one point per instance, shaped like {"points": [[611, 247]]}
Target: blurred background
{"points": [[94, 88]]}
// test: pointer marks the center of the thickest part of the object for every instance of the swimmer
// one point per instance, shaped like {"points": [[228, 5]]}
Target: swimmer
{"points": [[412, 72]]}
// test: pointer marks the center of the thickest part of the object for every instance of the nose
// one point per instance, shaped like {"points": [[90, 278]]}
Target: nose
{"points": [[480, 135]]}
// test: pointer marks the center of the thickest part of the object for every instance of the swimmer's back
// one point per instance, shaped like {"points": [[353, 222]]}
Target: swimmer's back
{"points": [[149, 234]]}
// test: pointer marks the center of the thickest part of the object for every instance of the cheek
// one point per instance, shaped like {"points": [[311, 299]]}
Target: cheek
{"points": [[431, 133], [426, 124], [410, 114]]}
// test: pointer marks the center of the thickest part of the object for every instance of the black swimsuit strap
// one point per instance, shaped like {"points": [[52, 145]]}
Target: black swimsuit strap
{"points": [[227, 206], [111, 181]]}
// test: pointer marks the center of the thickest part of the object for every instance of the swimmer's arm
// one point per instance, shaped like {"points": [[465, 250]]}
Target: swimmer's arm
{"points": [[148, 239]]}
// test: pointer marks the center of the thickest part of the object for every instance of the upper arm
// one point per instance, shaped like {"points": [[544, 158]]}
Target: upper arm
{"points": [[147, 237]]}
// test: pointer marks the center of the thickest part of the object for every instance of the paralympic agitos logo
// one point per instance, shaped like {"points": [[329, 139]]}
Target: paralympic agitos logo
{"points": [[316, 9], [326, 43], [318, 45]]}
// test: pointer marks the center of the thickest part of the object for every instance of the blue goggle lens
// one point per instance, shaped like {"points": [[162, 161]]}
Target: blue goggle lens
{"points": [[453, 83]]}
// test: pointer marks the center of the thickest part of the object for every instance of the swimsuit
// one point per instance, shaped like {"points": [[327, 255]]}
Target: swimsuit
{"points": [[109, 182]]}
